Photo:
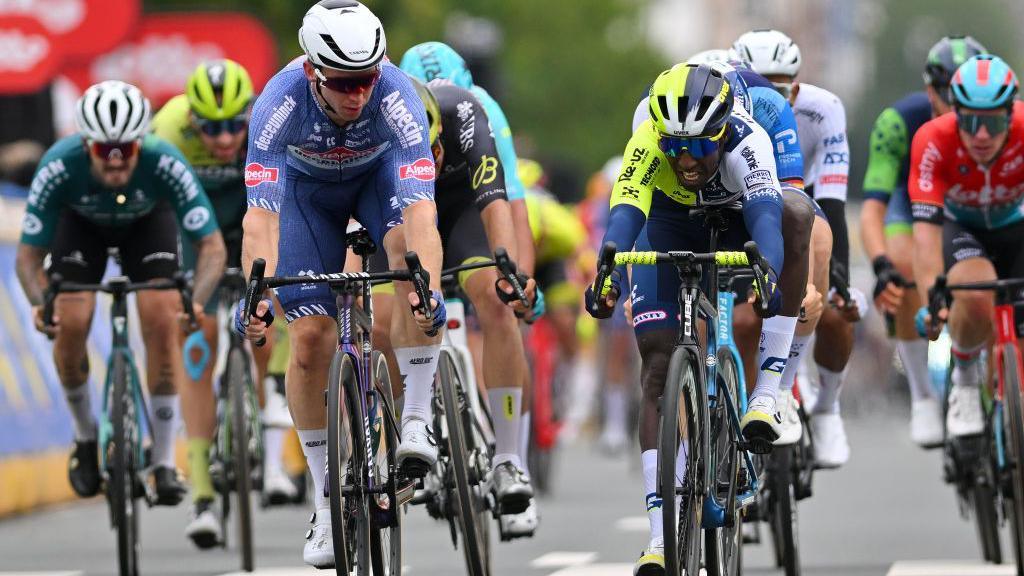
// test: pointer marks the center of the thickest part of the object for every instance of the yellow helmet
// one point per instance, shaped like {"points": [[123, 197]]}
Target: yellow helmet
{"points": [[531, 173], [691, 101], [432, 107], [219, 90]]}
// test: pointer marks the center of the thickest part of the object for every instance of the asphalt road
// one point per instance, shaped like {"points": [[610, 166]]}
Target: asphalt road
{"points": [[888, 506]]}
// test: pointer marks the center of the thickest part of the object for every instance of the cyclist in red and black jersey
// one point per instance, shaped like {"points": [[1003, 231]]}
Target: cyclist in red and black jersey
{"points": [[967, 193]]}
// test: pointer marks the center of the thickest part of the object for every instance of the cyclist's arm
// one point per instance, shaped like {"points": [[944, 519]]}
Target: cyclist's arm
{"points": [[29, 265], [39, 224], [927, 188], [888, 146], [211, 256], [830, 189], [525, 254], [631, 199], [487, 175], [762, 196]]}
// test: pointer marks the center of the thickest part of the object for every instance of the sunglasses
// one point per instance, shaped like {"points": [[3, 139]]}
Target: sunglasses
{"points": [[110, 150], [217, 127], [348, 84], [673, 146], [972, 123]]}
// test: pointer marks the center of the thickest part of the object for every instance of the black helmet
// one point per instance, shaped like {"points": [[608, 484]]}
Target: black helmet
{"points": [[946, 56]]}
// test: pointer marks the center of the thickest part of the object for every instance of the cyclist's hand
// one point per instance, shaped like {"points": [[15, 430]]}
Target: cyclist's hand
{"points": [[430, 326], [186, 322], [773, 297], [37, 318], [256, 330], [602, 308], [849, 311], [928, 327], [889, 285], [539, 307], [507, 294], [812, 305]]}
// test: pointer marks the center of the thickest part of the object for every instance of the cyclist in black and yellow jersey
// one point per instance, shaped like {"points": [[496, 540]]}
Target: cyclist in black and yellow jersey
{"points": [[209, 124]]}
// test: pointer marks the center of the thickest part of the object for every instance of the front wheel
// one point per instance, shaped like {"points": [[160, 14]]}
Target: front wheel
{"points": [[339, 448], [240, 407], [1014, 421], [121, 461], [723, 543], [386, 530], [782, 504]]}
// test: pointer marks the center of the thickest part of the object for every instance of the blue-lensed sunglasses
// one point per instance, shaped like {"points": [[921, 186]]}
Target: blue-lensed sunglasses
{"points": [[673, 146]]}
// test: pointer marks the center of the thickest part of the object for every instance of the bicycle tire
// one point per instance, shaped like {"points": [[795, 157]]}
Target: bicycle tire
{"points": [[340, 446], [783, 510], [122, 486], [681, 524], [468, 502], [386, 534], [722, 544], [240, 393], [986, 521], [1011, 371]]}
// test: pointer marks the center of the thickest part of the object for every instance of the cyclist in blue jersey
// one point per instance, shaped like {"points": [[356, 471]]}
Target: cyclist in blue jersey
{"points": [[436, 61], [341, 133], [885, 222]]}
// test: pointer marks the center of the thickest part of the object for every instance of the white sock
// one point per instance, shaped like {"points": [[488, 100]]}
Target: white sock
{"points": [[796, 348], [417, 366], [273, 448], [649, 459], [80, 405], [582, 391], [506, 405], [914, 356], [831, 386], [776, 338], [314, 446], [165, 428], [616, 408], [964, 361], [524, 442]]}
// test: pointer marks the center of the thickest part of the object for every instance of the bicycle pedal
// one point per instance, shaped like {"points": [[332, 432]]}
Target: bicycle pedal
{"points": [[413, 469], [760, 446]]}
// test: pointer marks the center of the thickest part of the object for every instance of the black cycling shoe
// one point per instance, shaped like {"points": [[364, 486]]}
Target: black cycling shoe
{"points": [[84, 468], [170, 490], [512, 489]]}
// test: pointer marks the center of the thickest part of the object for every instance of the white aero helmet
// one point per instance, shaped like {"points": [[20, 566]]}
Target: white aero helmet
{"points": [[769, 52], [112, 112], [342, 35], [712, 56]]}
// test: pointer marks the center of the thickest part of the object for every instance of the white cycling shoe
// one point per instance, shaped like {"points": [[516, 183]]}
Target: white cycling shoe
{"points": [[275, 412], [791, 429], [926, 423], [319, 549], [418, 452], [521, 525], [965, 417], [278, 487], [831, 449]]}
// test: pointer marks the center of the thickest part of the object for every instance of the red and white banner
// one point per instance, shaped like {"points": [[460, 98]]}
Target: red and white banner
{"points": [[80, 28], [29, 55], [165, 48]]}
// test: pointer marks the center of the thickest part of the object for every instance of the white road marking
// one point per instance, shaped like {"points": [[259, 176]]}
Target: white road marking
{"points": [[633, 524], [290, 571], [949, 568], [596, 570], [67, 573], [562, 559]]}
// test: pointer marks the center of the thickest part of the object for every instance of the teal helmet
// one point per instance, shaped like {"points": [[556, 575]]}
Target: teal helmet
{"points": [[436, 60]]}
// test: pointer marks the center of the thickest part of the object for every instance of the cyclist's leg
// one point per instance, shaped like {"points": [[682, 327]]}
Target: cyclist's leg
{"points": [[967, 259], [383, 302], [79, 254], [149, 250]]}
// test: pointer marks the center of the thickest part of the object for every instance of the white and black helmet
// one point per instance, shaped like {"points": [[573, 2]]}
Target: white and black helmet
{"points": [[769, 52], [342, 35], [112, 112]]}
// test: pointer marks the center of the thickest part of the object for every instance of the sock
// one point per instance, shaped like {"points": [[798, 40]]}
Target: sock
{"points": [[649, 459], [793, 363], [616, 408], [314, 446], [831, 385], [964, 362], [165, 428], [914, 356], [506, 404], [199, 469], [80, 405], [524, 442], [417, 366], [273, 449], [582, 391], [776, 338]]}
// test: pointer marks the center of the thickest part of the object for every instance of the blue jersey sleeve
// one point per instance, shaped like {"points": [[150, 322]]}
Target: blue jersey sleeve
{"points": [[503, 139], [775, 115], [763, 217], [275, 121], [407, 129]]}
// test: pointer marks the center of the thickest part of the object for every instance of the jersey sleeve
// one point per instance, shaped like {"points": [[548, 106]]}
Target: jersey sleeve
{"points": [[502, 133], [631, 199], [888, 147], [477, 143], [411, 160], [46, 191], [272, 126], [775, 115], [926, 184], [833, 154], [750, 167], [562, 230], [179, 185]]}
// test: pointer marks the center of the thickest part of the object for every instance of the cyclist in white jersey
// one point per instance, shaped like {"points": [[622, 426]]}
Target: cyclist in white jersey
{"points": [[821, 124]]}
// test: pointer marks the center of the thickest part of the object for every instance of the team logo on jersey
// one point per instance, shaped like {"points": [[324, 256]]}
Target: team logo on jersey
{"points": [[926, 167], [651, 316], [275, 122], [195, 218], [758, 178], [398, 117], [337, 157], [32, 225], [256, 174], [422, 169]]}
